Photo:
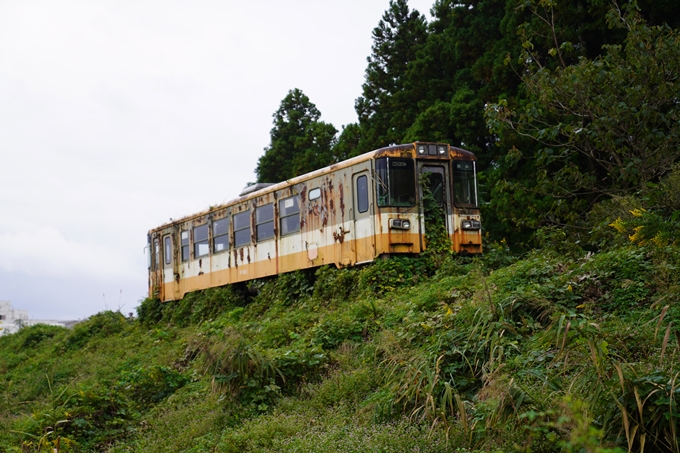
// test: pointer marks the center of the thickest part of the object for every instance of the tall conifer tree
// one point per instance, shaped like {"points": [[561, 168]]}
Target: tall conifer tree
{"points": [[300, 142], [387, 106]]}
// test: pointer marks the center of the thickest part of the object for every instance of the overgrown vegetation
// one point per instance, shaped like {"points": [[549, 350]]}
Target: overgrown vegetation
{"points": [[571, 345], [565, 348]]}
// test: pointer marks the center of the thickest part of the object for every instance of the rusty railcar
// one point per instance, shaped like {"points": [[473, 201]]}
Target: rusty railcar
{"points": [[349, 213]]}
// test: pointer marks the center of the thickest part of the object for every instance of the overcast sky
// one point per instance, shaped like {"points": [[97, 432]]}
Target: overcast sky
{"points": [[118, 115]]}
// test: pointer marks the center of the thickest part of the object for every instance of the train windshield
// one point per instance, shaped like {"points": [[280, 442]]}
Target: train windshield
{"points": [[464, 184], [395, 182]]}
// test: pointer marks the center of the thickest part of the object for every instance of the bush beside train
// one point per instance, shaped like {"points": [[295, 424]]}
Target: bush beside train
{"points": [[349, 213]]}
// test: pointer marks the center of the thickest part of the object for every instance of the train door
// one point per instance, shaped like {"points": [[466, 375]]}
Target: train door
{"points": [[364, 240], [436, 177], [170, 267], [156, 268]]}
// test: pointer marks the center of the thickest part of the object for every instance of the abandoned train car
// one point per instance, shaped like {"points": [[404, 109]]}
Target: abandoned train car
{"points": [[349, 213]]}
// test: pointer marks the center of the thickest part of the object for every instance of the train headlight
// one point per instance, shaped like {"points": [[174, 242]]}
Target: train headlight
{"points": [[422, 149], [441, 150], [400, 224], [470, 225]]}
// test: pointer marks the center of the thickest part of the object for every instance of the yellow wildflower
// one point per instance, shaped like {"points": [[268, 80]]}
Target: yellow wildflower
{"points": [[618, 225], [658, 240], [638, 236]]}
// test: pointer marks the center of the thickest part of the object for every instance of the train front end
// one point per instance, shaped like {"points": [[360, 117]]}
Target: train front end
{"points": [[423, 188]]}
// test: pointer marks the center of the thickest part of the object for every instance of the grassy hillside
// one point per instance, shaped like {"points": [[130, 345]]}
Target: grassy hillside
{"points": [[570, 347]]}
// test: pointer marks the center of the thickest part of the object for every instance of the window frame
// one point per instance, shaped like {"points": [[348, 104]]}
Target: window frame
{"points": [[284, 215], [384, 183], [455, 178], [268, 234], [220, 236], [185, 245], [156, 253], [314, 194], [204, 240], [362, 193], [235, 217], [167, 249]]}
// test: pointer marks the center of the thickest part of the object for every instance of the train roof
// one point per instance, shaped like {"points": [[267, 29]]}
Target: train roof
{"points": [[260, 189]]}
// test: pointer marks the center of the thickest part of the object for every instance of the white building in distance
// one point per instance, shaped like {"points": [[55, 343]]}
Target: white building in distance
{"points": [[11, 319]]}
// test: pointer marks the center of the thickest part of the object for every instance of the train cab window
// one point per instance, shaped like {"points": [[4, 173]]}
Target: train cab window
{"points": [[168, 249], [201, 245], [264, 222], [242, 229], [362, 193], [289, 214], [464, 184], [185, 245], [395, 182], [220, 235]]}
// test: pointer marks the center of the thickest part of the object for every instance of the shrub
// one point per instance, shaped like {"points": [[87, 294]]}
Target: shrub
{"points": [[102, 324], [623, 276], [150, 311], [332, 284], [387, 275], [150, 384]]}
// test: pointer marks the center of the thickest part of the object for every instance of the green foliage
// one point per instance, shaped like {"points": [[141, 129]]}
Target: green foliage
{"points": [[255, 377], [573, 346], [102, 324], [386, 107], [437, 240], [150, 311], [300, 142], [354, 325], [332, 284], [287, 289], [34, 335], [150, 384], [205, 305], [349, 143], [385, 276], [497, 254], [194, 308], [511, 354], [606, 126], [649, 409]]}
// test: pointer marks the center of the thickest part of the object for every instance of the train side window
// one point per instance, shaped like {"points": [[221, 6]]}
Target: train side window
{"points": [[362, 193], [289, 213], [314, 194], [201, 247], [185, 245], [220, 235], [264, 222], [241, 229], [168, 250]]}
